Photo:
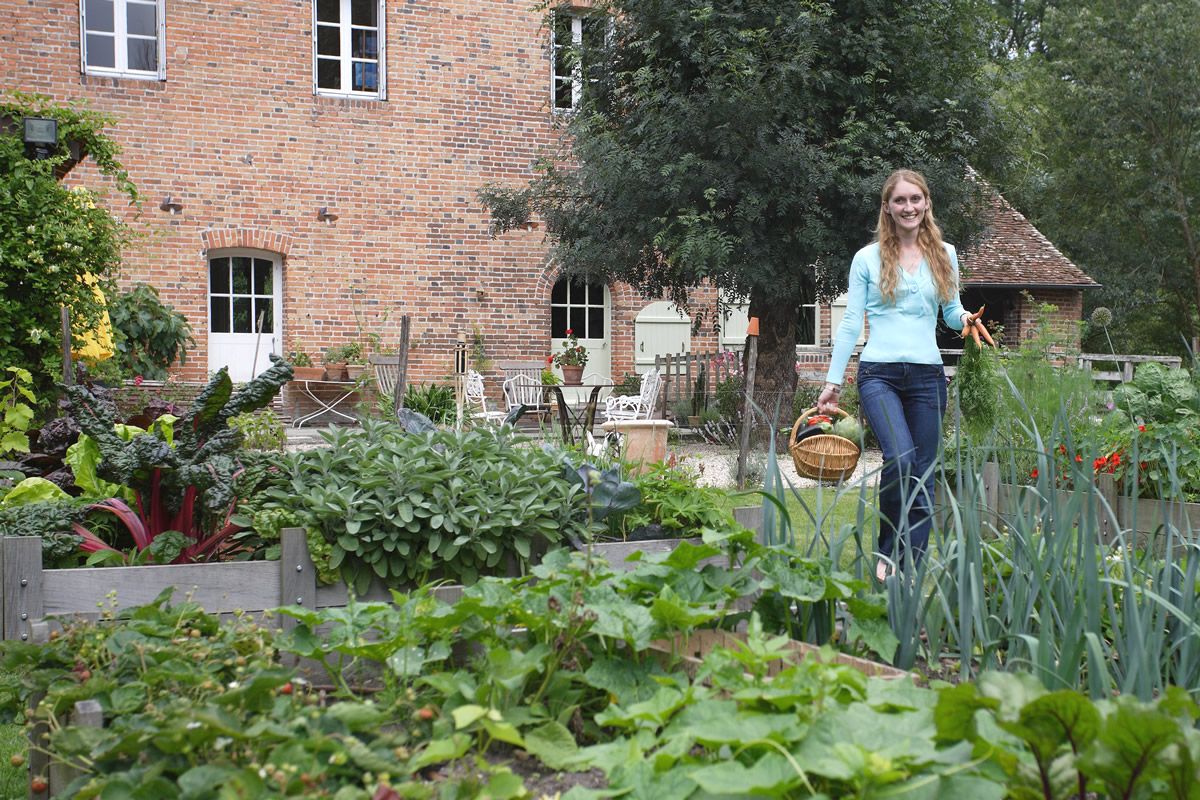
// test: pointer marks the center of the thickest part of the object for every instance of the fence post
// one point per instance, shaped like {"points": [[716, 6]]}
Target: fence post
{"points": [[991, 494], [1108, 490], [748, 403], [87, 714], [22, 582], [298, 577]]}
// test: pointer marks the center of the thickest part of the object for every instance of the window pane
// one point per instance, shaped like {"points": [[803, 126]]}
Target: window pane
{"points": [[241, 275], [329, 10], [218, 276], [578, 320], [219, 310], [806, 325], [558, 321], [264, 270], [595, 294], [99, 15], [329, 40], [595, 328], [562, 93], [139, 19], [329, 73], [100, 52], [365, 76], [559, 293], [364, 44], [364, 12], [241, 316], [143, 55], [264, 306]]}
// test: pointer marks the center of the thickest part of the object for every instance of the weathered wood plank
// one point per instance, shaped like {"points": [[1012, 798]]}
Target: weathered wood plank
{"points": [[217, 588], [22, 579], [298, 575]]}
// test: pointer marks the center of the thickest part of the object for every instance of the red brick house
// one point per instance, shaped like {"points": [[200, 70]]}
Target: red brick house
{"points": [[315, 163]]}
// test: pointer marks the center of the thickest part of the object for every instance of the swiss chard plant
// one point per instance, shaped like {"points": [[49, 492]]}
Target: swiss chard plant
{"points": [[180, 476]]}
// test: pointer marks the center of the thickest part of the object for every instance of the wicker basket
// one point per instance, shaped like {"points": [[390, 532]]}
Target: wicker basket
{"points": [[823, 457]]}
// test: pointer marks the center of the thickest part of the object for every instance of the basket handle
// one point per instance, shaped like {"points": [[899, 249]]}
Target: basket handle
{"points": [[804, 418]]}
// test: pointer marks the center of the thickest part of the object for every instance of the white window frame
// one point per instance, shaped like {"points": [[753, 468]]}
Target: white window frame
{"points": [[577, 17], [120, 43], [347, 59]]}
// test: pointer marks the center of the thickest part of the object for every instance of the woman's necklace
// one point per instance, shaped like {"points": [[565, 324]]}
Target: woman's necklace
{"points": [[910, 262]]}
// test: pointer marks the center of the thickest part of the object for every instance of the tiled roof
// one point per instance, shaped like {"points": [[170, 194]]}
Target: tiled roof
{"points": [[1011, 252]]}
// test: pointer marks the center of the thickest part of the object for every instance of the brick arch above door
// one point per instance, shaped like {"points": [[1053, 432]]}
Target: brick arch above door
{"points": [[246, 238]]}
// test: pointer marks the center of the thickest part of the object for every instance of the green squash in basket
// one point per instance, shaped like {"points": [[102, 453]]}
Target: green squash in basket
{"points": [[848, 428]]}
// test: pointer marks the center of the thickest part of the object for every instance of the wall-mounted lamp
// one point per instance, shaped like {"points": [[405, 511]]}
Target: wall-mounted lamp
{"points": [[171, 204], [41, 137], [326, 215]]}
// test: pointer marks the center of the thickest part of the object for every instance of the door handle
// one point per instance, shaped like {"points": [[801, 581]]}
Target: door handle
{"points": [[642, 347]]}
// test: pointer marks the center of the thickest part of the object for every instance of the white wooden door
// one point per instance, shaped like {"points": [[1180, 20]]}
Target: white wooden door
{"points": [[244, 288], [660, 328], [583, 308]]}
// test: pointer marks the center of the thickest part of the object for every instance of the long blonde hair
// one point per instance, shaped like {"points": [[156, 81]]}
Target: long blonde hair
{"points": [[929, 239]]}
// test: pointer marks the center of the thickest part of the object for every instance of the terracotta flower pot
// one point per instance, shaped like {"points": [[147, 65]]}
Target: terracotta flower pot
{"points": [[335, 372], [572, 376], [355, 371], [308, 373]]}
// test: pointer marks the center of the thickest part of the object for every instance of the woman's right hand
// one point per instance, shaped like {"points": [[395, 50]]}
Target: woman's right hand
{"points": [[827, 401]]}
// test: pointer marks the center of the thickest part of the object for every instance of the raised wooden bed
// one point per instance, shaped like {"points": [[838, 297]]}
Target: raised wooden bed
{"points": [[691, 649]]}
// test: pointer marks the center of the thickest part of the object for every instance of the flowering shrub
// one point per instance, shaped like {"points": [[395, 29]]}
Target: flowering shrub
{"points": [[573, 353]]}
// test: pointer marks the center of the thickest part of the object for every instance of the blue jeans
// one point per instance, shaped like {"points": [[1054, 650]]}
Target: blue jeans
{"points": [[904, 404]]}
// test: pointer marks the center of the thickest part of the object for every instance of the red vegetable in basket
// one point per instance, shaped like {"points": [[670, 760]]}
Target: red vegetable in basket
{"points": [[817, 424]]}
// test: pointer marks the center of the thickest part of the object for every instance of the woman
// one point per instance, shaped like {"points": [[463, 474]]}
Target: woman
{"points": [[900, 280]]}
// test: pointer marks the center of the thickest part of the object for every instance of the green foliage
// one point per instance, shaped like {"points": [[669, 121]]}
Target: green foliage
{"points": [[434, 400], [17, 401], [299, 358], [977, 385], [181, 471], [731, 142], [404, 506], [1086, 131], [51, 237], [53, 519], [672, 505], [261, 430], [729, 397], [151, 335]]}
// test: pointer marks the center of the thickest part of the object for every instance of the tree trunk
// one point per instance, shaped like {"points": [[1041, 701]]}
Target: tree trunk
{"points": [[775, 381]]}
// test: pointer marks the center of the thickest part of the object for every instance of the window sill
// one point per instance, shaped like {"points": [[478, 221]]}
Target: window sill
{"points": [[124, 76], [370, 98]]}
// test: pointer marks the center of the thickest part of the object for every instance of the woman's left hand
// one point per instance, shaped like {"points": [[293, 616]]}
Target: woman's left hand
{"points": [[973, 326]]}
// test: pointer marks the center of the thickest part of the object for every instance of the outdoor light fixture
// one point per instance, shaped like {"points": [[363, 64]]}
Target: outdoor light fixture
{"points": [[169, 203], [41, 137], [326, 215]]}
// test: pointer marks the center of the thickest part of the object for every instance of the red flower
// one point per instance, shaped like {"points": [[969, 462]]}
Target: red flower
{"points": [[1062, 448], [1078, 458], [549, 360], [1115, 459], [1142, 428], [1142, 465], [137, 380], [1033, 473], [569, 331], [1099, 463]]}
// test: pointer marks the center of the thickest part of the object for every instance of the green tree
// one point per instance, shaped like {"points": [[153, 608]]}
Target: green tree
{"points": [[52, 236], [1109, 169], [743, 142]]}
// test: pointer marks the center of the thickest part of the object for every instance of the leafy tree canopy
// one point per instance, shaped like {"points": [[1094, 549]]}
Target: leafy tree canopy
{"points": [[52, 236], [743, 142], [1108, 168]]}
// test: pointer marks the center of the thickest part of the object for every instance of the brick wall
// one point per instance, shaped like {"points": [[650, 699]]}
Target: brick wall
{"points": [[1064, 320], [236, 135]]}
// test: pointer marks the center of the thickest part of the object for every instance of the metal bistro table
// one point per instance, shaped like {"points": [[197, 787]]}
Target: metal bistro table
{"points": [[581, 417], [344, 390]]}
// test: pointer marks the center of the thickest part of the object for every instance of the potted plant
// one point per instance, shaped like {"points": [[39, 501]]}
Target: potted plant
{"points": [[356, 360], [302, 367], [571, 360], [335, 364]]}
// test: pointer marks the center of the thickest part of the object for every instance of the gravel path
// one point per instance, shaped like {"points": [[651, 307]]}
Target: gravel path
{"points": [[718, 465]]}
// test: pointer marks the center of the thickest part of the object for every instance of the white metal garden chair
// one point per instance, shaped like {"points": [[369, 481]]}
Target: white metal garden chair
{"points": [[475, 399], [635, 406], [525, 390]]}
